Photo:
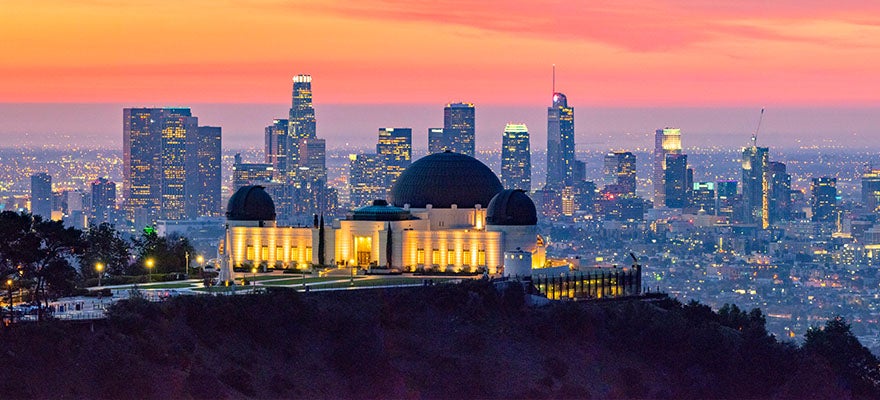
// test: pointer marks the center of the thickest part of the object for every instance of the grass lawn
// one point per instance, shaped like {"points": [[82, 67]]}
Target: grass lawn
{"points": [[384, 282], [295, 281]]}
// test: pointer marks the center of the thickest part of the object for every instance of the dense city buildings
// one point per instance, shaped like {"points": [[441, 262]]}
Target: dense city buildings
{"points": [[459, 128], [516, 161], [620, 169], [249, 174], [871, 189], [170, 165], [41, 195], [395, 148], [666, 141], [560, 142]]}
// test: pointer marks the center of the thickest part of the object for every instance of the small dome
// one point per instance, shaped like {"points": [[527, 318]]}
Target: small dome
{"points": [[250, 203], [511, 207], [380, 211], [444, 179]]}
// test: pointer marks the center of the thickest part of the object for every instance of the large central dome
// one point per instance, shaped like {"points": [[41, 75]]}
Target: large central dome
{"points": [[444, 179]]}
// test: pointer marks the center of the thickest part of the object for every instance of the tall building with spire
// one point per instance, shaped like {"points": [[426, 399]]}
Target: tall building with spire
{"points": [[459, 128], [666, 141], [560, 142], [301, 121], [516, 159]]}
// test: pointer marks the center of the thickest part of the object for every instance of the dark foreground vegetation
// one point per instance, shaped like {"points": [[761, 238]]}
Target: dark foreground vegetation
{"points": [[447, 341]]}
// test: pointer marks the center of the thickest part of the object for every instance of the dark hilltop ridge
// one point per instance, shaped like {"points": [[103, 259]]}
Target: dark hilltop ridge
{"points": [[470, 340]]}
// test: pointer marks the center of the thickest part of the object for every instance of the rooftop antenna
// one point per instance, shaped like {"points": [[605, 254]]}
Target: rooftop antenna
{"points": [[755, 135], [554, 78]]}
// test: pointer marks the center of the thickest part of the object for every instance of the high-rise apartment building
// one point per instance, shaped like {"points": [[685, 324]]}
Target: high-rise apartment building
{"points": [[366, 179], [823, 201], [395, 148], [675, 178], [313, 159], [703, 197], [41, 195], [276, 144], [516, 158], [459, 128], [666, 141], [301, 121], [620, 169], [560, 142], [756, 185], [103, 200]]}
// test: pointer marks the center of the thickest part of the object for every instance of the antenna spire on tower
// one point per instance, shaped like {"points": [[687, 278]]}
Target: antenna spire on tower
{"points": [[554, 79]]}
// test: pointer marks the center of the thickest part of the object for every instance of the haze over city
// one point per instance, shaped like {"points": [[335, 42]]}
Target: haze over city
{"points": [[705, 67]]}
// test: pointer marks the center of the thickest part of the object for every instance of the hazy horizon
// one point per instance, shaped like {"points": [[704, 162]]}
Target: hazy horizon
{"points": [[356, 125]]}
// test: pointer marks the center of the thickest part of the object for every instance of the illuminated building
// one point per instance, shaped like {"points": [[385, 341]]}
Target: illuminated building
{"points": [[103, 200], [447, 212], [435, 141], [823, 201], [41, 195], [516, 161], [756, 185], [170, 165], [675, 177], [703, 197], [560, 142], [276, 145], [395, 149], [458, 128], [780, 193], [726, 198], [568, 201], [871, 189], [666, 141], [312, 159], [620, 169], [204, 178], [301, 121], [366, 179], [249, 174]]}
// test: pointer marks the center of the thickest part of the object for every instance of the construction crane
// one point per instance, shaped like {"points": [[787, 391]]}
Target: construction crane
{"points": [[755, 135]]}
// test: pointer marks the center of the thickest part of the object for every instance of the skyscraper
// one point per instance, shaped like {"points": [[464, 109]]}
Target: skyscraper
{"points": [[435, 140], [41, 195], [675, 180], [516, 159], [458, 128], [313, 159], [366, 179], [301, 122], [203, 187], [780, 192], [666, 141], [395, 149], [170, 165], [824, 199], [620, 169], [871, 189], [247, 174], [756, 185], [703, 197], [726, 198], [560, 142], [276, 144], [103, 200]]}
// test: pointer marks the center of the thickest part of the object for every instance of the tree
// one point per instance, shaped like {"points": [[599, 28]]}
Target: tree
{"points": [[168, 253], [846, 355], [321, 244], [105, 245]]}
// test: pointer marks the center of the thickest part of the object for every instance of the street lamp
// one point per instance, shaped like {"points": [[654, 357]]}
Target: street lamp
{"points": [[9, 286], [99, 268], [201, 260], [254, 272], [149, 264], [351, 282]]}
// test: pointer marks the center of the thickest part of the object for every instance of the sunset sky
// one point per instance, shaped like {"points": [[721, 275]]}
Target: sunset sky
{"points": [[617, 53]]}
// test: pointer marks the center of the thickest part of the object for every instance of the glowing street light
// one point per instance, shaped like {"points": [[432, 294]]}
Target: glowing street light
{"points": [[201, 260], [149, 264], [99, 268], [254, 272]]}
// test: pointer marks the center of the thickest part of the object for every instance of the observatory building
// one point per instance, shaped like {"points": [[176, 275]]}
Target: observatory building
{"points": [[446, 212]]}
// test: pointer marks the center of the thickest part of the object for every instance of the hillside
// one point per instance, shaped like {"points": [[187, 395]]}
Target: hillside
{"points": [[447, 341]]}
